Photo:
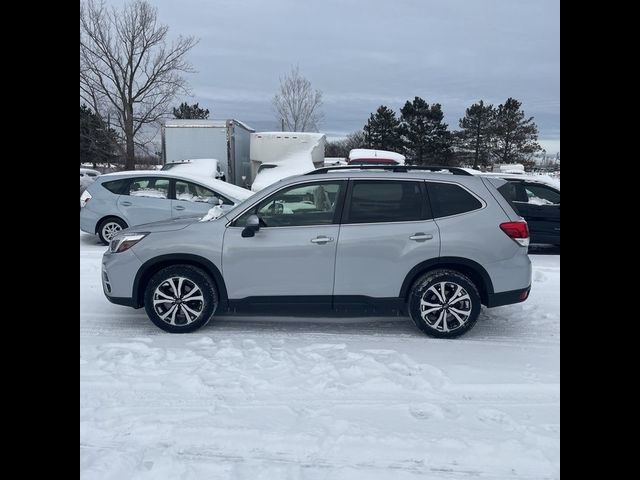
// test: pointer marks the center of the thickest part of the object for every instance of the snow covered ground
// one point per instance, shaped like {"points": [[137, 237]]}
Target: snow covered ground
{"points": [[272, 398]]}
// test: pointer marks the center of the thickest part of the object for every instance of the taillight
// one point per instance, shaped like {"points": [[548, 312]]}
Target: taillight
{"points": [[84, 198], [518, 231]]}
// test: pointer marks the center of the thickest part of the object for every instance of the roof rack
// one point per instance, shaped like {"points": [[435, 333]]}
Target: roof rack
{"points": [[392, 168]]}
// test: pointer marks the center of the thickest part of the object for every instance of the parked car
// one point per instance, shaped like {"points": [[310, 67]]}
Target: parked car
{"points": [[337, 240], [537, 199], [206, 167], [119, 200], [87, 177]]}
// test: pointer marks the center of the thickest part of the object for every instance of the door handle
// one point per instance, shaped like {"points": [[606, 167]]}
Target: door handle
{"points": [[126, 204], [421, 237], [179, 207], [321, 240]]}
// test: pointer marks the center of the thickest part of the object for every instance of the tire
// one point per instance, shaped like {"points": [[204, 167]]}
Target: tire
{"points": [[457, 317], [174, 317], [109, 227]]}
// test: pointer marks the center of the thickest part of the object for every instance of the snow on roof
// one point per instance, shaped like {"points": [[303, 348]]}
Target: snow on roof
{"points": [[367, 153]]}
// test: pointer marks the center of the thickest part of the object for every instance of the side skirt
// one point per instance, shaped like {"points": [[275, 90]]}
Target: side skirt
{"points": [[317, 305]]}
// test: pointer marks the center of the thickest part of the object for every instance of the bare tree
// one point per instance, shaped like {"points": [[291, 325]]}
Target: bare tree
{"points": [[297, 104], [127, 66]]}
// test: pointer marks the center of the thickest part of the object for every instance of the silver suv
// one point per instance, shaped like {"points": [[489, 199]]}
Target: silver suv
{"points": [[343, 240]]}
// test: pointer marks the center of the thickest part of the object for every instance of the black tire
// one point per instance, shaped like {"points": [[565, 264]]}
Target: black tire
{"points": [[205, 307], [431, 323], [106, 223]]}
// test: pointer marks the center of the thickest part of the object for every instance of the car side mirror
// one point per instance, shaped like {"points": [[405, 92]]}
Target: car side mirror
{"points": [[252, 226]]}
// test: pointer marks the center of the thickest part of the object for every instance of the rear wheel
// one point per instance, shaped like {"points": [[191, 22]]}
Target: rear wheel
{"points": [[110, 227], [180, 298], [444, 303]]}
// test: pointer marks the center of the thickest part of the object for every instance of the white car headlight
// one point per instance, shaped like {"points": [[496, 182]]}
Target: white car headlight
{"points": [[123, 242]]}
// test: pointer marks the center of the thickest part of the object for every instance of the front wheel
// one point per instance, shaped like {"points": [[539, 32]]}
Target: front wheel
{"points": [[444, 303], [180, 298]]}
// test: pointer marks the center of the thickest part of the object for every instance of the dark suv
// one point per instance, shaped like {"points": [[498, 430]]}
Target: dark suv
{"points": [[538, 202]]}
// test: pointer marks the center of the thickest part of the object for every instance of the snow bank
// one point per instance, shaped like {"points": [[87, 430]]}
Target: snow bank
{"points": [[275, 398]]}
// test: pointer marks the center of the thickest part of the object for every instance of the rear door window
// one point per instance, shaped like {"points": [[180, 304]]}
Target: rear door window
{"points": [[451, 199], [381, 201], [149, 187]]}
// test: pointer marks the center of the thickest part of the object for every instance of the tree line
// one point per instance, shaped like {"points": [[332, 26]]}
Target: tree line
{"points": [[487, 134], [130, 74]]}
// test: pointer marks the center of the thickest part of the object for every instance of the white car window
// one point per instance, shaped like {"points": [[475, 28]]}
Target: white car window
{"points": [[150, 187], [190, 192]]}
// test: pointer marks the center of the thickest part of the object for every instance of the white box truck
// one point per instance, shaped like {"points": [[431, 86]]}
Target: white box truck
{"points": [[225, 140]]}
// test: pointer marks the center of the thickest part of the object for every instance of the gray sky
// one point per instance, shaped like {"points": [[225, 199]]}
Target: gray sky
{"points": [[362, 54]]}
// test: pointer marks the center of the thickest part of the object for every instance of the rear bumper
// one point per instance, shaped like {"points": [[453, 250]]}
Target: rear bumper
{"points": [[507, 298], [88, 221]]}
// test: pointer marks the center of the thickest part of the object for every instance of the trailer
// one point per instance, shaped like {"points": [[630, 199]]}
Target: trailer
{"points": [[228, 141], [276, 155]]}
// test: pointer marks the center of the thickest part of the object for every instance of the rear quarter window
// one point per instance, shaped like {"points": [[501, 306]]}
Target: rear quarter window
{"points": [[118, 187], [509, 192], [451, 199]]}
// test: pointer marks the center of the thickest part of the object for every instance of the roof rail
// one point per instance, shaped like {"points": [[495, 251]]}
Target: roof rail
{"points": [[392, 168]]}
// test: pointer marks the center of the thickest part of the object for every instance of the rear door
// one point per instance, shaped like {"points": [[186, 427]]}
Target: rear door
{"points": [[386, 230], [145, 200]]}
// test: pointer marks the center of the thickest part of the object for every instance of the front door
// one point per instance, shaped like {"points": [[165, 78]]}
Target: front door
{"points": [[293, 253], [192, 199]]}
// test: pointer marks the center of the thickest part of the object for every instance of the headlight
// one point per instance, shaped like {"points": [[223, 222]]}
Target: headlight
{"points": [[125, 241]]}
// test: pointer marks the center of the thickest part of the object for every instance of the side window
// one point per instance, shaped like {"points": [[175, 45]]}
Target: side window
{"points": [[119, 187], [302, 205], [149, 187], [190, 192], [541, 195], [374, 201], [451, 199]]}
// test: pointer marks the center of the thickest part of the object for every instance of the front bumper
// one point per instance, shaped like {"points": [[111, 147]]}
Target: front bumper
{"points": [[118, 274]]}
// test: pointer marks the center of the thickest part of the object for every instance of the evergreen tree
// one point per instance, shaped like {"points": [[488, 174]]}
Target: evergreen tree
{"points": [[515, 136], [185, 111], [477, 132], [97, 141], [382, 131], [427, 139]]}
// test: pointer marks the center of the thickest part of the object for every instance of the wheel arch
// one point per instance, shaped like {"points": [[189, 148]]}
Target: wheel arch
{"points": [[472, 269], [150, 267]]}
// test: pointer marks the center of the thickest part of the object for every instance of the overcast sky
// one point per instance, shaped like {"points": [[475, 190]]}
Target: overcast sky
{"points": [[364, 53]]}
